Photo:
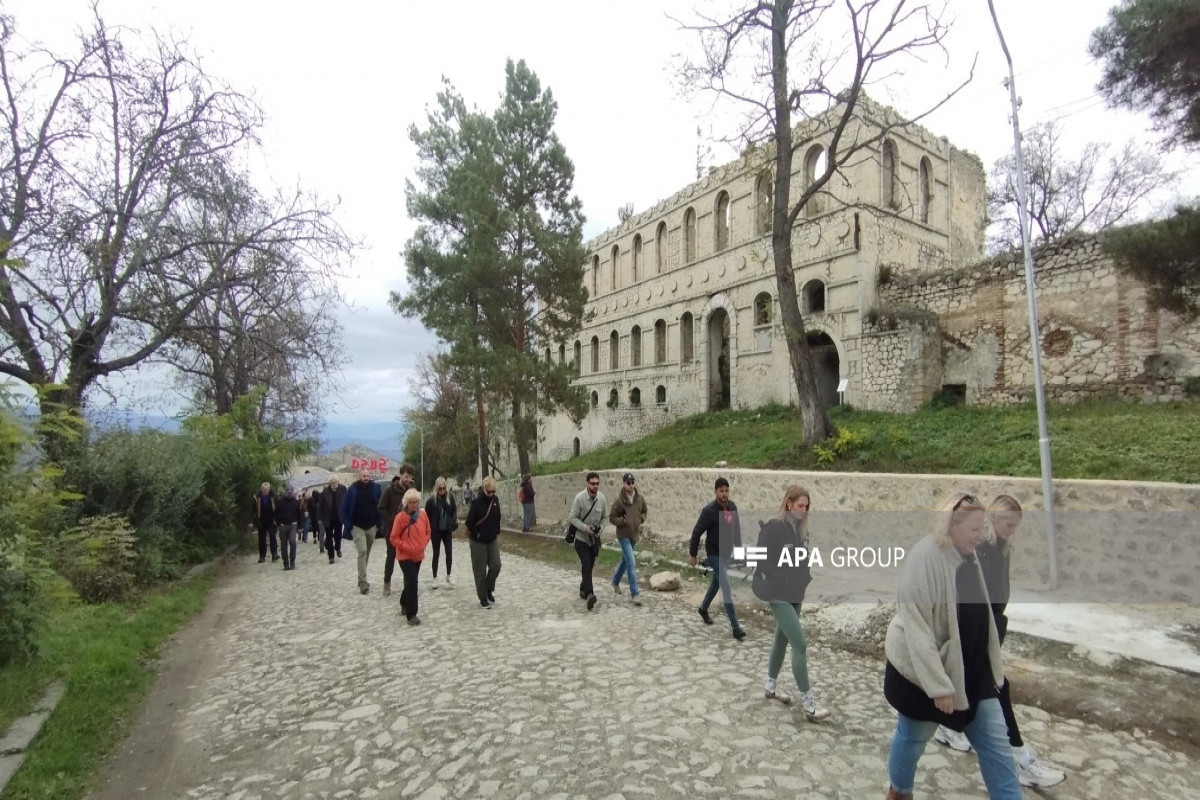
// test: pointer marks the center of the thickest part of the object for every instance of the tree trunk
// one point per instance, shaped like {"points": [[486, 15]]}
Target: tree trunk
{"points": [[816, 424], [518, 423], [481, 418]]}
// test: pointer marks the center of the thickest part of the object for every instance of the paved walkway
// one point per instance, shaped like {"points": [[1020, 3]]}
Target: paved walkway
{"points": [[292, 685]]}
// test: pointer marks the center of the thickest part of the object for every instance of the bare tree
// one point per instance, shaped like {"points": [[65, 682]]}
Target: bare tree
{"points": [[813, 59], [114, 163], [1066, 195], [273, 321]]}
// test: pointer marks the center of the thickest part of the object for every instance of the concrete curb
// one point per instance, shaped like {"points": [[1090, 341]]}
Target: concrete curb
{"points": [[21, 734]]}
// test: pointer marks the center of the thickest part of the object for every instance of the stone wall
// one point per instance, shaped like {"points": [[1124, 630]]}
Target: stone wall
{"points": [[1100, 336], [1119, 541]]}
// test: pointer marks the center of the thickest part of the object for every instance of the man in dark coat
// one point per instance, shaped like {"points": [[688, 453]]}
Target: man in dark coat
{"points": [[331, 504]]}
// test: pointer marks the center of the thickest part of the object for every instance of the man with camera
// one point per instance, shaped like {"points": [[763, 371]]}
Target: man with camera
{"points": [[587, 518]]}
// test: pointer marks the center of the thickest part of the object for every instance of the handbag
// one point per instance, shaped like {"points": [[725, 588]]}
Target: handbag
{"points": [[569, 533]]}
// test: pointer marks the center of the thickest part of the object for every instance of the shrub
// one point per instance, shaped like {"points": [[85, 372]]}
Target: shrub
{"points": [[19, 611], [98, 556], [844, 442]]}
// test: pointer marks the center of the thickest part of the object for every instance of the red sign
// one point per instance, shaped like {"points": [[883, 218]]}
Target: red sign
{"points": [[372, 464]]}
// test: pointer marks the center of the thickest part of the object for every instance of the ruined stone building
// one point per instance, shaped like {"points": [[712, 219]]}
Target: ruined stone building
{"points": [[897, 299]]}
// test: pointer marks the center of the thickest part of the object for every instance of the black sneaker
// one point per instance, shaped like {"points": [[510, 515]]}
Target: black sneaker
{"points": [[485, 604], [739, 633], [704, 615], [492, 599], [262, 559], [274, 559], [591, 601], [331, 561]]}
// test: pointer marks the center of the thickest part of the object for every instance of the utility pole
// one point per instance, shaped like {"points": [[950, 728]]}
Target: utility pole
{"points": [[1035, 343]]}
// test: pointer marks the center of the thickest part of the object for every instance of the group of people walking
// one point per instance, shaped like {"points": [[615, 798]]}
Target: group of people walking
{"points": [[944, 675]]}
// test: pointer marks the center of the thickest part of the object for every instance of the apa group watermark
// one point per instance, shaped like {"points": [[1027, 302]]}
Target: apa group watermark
{"points": [[839, 557]]}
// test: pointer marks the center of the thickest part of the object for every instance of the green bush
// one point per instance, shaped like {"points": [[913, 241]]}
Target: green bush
{"points": [[98, 556], [19, 611]]}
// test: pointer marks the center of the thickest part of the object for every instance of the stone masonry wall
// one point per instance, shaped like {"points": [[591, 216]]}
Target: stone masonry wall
{"points": [[1100, 336], [1151, 552]]}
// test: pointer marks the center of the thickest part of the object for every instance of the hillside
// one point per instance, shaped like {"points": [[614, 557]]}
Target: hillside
{"points": [[1103, 440]]}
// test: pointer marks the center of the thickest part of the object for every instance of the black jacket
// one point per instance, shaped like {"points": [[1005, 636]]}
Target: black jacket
{"points": [[781, 584], [331, 501], [993, 561], [722, 530], [287, 510], [432, 511], [483, 519]]}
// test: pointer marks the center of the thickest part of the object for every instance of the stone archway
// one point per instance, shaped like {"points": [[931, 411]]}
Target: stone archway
{"points": [[720, 353], [828, 365]]}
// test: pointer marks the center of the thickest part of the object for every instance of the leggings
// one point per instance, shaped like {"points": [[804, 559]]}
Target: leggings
{"points": [[789, 631], [443, 538]]}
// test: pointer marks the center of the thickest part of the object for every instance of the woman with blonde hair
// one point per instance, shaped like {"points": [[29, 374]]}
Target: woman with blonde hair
{"points": [[483, 526], [783, 587], [943, 654], [409, 537], [1003, 518], [443, 519]]}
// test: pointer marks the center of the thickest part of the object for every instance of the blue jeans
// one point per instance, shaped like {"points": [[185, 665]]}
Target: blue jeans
{"points": [[527, 516], [720, 579], [987, 734], [626, 565]]}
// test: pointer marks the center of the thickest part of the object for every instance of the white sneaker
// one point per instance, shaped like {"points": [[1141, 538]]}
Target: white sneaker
{"points": [[771, 693], [449, 583], [435, 584], [952, 739], [812, 711], [1031, 772]]}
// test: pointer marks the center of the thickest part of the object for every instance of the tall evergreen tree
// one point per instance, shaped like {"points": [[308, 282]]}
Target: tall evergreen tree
{"points": [[541, 266], [496, 264]]}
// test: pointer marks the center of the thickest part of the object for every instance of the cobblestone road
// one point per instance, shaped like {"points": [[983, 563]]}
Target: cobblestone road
{"points": [[296, 686]]}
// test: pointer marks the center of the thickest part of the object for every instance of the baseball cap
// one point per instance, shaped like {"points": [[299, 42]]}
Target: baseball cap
{"points": [[627, 477]]}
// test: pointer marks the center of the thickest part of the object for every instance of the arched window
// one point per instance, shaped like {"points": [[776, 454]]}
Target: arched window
{"points": [[614, 399], [595, 275], [549, 356], [660, 395], [575, 447], [660, 248], [722, 220], [616, 262], [762, 322], [923, 194], [689, 235], [614, 351], [763, 193], [814, 297], [578, 358], [595, 402], [887, 178], [815, 164], [762, 309], [637, 257], [595, 354], [687, 330], [635, 397], [660, 342], [562, 354], [635, 347]]}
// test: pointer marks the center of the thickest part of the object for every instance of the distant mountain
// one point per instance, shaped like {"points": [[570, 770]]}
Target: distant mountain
{"points": [[382, 437]]}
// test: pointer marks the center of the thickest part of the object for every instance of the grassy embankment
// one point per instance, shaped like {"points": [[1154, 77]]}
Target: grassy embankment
{"points": [[104, 653], [1103, 440]]}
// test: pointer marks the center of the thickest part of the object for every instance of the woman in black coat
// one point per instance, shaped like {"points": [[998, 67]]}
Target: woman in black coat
{"points": [[443, 519]]}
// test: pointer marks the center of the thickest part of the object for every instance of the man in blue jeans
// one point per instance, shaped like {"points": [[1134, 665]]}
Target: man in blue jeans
{"points": [[722, 532], [628, 514]]}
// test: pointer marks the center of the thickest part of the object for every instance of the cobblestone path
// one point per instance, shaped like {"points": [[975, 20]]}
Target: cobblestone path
{"points": [[299, 687]]}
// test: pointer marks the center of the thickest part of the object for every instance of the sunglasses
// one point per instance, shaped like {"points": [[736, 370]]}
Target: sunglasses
{"points": [[629, 483], [593, 483], [966, 498]]}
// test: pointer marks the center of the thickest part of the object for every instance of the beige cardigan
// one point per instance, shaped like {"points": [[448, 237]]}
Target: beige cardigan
{"points": [[922, 640]]}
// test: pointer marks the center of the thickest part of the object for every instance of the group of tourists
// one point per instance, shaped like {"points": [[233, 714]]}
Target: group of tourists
{"points": [[943, 676]]}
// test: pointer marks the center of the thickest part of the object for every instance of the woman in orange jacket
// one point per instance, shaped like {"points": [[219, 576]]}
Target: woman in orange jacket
{"points": [[410, 536]]}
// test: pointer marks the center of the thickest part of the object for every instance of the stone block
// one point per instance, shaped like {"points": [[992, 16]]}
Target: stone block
{"points": [[665, 582]]}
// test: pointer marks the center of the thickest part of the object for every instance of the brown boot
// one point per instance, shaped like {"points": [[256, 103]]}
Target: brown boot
{"points": [[894, 795]]}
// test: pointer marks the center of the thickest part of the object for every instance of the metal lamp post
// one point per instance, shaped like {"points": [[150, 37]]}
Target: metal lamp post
{"points": [[1035, 340]]}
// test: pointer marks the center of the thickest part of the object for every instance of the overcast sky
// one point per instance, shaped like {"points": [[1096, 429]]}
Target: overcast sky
{"points": [[341, 83]]}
